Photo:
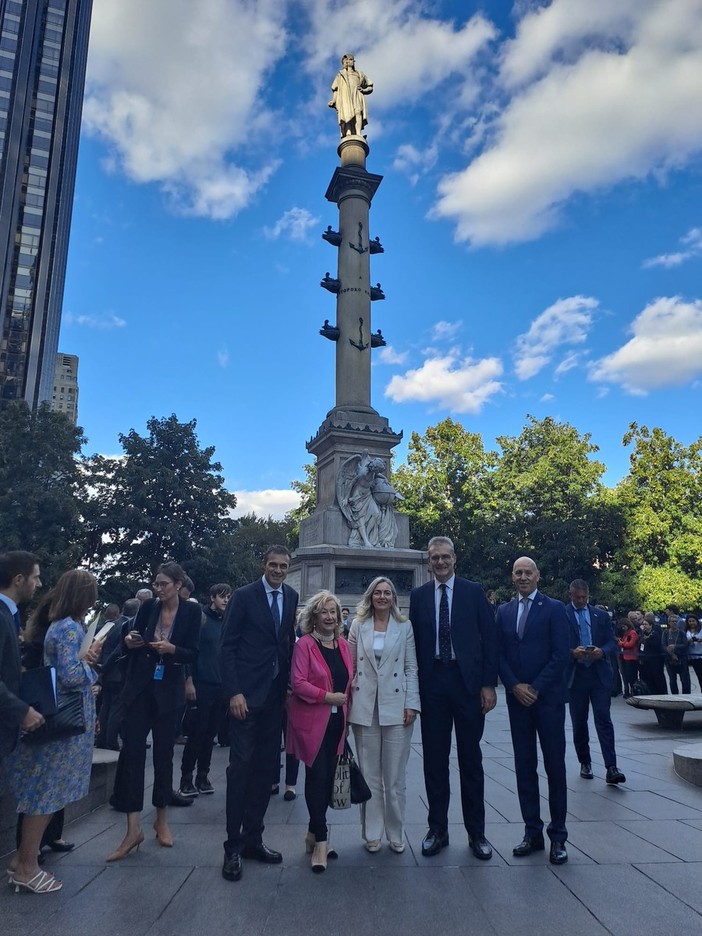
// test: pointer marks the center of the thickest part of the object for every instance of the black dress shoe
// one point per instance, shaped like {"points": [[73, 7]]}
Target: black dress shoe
{"points": [[558, 853], [231, 869], [480, 847], [262, 853], [528, 845], [586, 771], [61, 845], [614, 775], [433, 842], [177, 799]]}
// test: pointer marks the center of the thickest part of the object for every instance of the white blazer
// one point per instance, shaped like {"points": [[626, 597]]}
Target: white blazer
{"points": [[393, 681]]}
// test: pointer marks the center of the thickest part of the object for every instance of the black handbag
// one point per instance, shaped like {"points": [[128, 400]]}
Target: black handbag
{"points": [[68, 721], [360, 791]]}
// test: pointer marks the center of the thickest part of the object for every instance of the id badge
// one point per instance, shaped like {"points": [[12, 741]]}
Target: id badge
{"points": [[158, 671]]}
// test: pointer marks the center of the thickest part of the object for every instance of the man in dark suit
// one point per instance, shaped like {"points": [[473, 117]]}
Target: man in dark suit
{"points": [[534, 651], [590, 680], [258, 635], [457, 653], [19, 579]]}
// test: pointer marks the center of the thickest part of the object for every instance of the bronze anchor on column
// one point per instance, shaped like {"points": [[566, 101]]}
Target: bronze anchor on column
{"points": [[360, 345]]}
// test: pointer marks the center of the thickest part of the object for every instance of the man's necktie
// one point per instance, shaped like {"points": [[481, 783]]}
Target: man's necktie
{"points": [[275, 610], [18, 622], [585, 633], [444, 627], [524, 602]]}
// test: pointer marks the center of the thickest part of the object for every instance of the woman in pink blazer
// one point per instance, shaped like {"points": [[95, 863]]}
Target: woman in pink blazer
{"points": [[317, 711]]}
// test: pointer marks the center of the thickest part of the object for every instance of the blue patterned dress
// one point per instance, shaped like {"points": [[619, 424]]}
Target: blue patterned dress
{"points": [[46, 777]]}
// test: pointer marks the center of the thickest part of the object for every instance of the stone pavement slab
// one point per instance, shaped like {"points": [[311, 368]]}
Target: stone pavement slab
{"points": [[635, 861]]}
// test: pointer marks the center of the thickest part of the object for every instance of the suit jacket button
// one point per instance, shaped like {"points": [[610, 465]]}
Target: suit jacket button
{"points": [[397, 690], [395, 675]]}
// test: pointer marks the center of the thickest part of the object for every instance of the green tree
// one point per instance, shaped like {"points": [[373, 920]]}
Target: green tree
{"points": [[42, 485], [307, 489], [661, 503], [447, 489], [163, 499], [549, 504]]}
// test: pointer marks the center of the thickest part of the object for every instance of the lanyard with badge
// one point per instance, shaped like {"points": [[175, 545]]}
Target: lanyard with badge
{"points": [[160, 634]]}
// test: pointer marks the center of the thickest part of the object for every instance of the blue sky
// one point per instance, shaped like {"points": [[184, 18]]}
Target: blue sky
{"points": [[541, 214]]}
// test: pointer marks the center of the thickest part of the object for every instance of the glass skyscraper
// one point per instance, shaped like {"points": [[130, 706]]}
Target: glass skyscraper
{"points": [[43, 53]]}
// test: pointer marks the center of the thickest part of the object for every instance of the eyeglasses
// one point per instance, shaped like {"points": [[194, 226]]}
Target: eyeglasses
{"points": [[160, 585]]}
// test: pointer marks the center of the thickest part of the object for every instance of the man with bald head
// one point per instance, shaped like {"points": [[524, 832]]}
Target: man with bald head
{"points": [[534, 636]]}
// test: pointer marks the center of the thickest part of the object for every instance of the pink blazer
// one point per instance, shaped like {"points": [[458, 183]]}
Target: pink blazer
{"points": [[308, 715]]}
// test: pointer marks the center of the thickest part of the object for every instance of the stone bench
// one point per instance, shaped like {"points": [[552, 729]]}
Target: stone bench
{"points": [[102, 779], [669, 709], [687, 761]]}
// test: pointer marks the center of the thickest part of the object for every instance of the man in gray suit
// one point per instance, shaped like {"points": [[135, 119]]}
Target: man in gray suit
{"points": [[19, 579]]}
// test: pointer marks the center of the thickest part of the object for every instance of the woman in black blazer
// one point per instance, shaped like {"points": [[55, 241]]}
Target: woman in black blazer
{"points": [[165, 637]]}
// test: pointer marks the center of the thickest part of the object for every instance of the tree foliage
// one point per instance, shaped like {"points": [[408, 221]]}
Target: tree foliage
{"points": [[163, 499], [42, 486]]}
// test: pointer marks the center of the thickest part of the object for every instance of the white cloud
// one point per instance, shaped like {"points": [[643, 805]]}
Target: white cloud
{"points": [[461, 385], [692, 247], [415, 162], [443, 331], [405, 52], [223, 357], [293, 224], [566, 322], [175, 89], [389, 355], [665, 350], [568, 363], [546, 398], [269, 502], [100, 322], [589, 95]]}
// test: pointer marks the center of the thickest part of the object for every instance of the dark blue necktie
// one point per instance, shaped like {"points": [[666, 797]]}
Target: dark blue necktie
{"points": [[275, 612], [444, 627], [18, 622]]}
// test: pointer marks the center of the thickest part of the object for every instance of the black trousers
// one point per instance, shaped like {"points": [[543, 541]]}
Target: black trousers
{"points": [[547, 724], [675, 670], [253, 743], [109, 717], [630, 669], [198, 748], [140, 717], [651, 670], [446, 707], [587, 690], [319, 778]]}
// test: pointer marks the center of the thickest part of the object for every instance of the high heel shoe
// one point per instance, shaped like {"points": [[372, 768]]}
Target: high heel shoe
{"points": [[164, 839], [319, 857], [41, 883], [119, 853]]}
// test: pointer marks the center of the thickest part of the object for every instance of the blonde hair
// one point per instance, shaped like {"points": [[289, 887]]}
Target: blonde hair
{"points": [[309, 612], [364, 608]]}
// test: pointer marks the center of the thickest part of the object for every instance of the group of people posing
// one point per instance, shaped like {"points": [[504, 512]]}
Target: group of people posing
{"points": [[262, 656]]}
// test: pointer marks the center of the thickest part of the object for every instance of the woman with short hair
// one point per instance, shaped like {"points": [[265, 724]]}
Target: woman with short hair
{"points": [[317, 712]]}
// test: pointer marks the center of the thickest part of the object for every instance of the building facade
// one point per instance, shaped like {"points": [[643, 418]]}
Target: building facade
{"points": [[64, 398], [43, 54]]}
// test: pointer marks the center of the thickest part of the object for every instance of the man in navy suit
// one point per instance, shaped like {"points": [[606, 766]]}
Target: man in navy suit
{"points": [[19, 579], [534, 633], [258, 635], [590, 680], [457, 653]]}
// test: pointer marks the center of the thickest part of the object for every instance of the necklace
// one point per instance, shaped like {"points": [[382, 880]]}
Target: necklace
{"points": [[323, 638]]}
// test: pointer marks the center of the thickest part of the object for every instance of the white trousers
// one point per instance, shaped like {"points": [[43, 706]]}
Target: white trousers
{"points": [[383, 753]]}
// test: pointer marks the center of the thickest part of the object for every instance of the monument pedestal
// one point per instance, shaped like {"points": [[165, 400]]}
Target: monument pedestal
{"points": [[347, 571]]}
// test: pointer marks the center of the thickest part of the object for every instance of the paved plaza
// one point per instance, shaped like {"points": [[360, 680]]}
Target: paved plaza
{"points": [[635, 862]]}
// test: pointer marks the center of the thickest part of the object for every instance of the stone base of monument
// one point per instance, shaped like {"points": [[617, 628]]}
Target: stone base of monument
{"points": [[347, 571], [687, 761]]}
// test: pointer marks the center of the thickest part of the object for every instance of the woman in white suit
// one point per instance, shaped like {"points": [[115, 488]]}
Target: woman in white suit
{"points": [[384, 706]]}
